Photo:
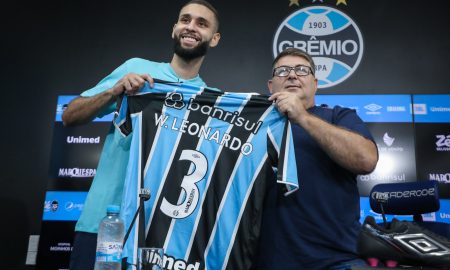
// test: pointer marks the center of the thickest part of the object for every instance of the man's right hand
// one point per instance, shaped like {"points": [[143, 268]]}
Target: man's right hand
{"points": [[84, 109], [130, 84]]}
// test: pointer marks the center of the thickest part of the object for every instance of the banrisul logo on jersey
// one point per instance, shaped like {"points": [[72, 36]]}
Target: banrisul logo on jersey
{"points": [[331, 37]]}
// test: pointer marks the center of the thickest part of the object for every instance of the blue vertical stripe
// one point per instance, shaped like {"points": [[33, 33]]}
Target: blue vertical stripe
{"points": [[233, 203], [180, 244], [129, 206]]}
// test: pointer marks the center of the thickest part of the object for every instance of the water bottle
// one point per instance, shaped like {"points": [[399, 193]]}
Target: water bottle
{"points": [[109, 240]]}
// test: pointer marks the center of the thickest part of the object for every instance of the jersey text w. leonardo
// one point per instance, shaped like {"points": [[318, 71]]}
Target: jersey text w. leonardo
{"points": [[207, 158]]}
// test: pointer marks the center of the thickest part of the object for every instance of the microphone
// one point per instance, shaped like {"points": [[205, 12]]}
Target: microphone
{"points": [[144, 195], [381, 198], [411, 198]]}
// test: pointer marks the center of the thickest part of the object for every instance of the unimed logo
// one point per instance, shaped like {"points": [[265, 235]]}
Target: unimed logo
{"points": [[76, 172], [83, 140]]}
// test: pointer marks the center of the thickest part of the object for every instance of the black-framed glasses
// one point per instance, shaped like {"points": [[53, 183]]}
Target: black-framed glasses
{"points": [[300, 70]]}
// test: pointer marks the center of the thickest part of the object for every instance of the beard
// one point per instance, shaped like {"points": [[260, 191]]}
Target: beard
{"points": [[190, 53]]}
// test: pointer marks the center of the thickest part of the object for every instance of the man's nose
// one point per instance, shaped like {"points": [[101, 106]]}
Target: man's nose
{"points": [[191, 25], [292, 74]]}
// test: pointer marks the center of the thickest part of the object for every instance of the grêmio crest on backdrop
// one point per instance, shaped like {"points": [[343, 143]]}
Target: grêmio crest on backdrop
{"points": [[330, 36]]}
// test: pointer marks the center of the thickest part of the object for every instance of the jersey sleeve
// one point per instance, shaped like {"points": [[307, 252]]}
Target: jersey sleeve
{"points": [[122, 119], [280, 136]]}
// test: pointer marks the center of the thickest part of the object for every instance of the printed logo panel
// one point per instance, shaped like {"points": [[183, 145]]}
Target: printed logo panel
{"points": [[55, 245], [330, 36], [76, 150], [433, 154], [396, 163], [63, 206]]}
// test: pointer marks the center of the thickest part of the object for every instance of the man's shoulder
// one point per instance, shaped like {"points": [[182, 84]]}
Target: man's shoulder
{"points": [[326, 109], [136, 61], [333, 114]]}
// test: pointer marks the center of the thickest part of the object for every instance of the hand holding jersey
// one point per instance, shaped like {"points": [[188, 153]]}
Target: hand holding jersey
{"points": [[130, 84], [295, 93]]}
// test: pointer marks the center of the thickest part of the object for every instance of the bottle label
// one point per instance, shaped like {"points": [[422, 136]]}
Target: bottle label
{"points": [[109, 252]]}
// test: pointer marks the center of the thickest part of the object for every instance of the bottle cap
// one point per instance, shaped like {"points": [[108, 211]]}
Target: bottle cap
{"points": [[113, 209]]}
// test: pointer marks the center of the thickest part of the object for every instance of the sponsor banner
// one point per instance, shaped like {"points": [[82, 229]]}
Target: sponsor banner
{"points": [[55, 245], [441, 177], [431, 108], [63, 101], [373, 108], [396, 163], [76, 150], [442, 215], [63, 205], [433, 154], [330, 36]]}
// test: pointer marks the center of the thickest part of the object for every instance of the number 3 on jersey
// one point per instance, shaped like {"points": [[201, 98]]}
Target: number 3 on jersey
{"points": [[189, 186]]}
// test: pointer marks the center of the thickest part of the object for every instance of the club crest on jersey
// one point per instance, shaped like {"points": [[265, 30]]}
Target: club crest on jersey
{"points": [[331, 37]]}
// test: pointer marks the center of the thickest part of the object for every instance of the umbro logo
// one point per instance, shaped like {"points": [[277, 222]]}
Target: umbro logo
{"points": [[420, 244], [373, 107], [175, 100]]}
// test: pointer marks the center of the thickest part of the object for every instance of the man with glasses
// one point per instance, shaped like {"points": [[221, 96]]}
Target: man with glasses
{"points": [[317, 227]]}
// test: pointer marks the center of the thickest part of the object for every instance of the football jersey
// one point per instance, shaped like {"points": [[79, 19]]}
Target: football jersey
{"points": [[207, 157]]}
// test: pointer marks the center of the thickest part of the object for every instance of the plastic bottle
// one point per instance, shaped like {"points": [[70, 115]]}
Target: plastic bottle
{"points": [[109, 240]]}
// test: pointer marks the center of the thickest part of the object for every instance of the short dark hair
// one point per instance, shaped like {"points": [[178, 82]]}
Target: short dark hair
{"points": [[295, 52], [208, 6]]}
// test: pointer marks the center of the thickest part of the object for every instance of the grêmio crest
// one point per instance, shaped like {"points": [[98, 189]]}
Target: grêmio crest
{"points": [[330, 36]]}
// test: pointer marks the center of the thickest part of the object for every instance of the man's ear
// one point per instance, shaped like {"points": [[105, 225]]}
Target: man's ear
{"points": [[269, 85], [173, 29], [215, 40], [316, 83]]}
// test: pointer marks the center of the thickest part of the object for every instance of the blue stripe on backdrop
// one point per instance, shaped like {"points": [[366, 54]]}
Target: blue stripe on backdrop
{"points": [[373, 108], [431, 108]]}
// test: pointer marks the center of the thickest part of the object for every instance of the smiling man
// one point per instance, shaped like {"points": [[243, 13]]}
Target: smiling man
{"points": [[195, 31], [317, 227]]}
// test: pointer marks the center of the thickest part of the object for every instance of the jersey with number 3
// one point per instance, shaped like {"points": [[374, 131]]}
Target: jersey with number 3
{"points": [[207, 157]]}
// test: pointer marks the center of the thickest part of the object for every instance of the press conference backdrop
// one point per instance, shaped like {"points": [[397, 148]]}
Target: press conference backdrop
{"points": [[55, 48], [411, 133]]}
